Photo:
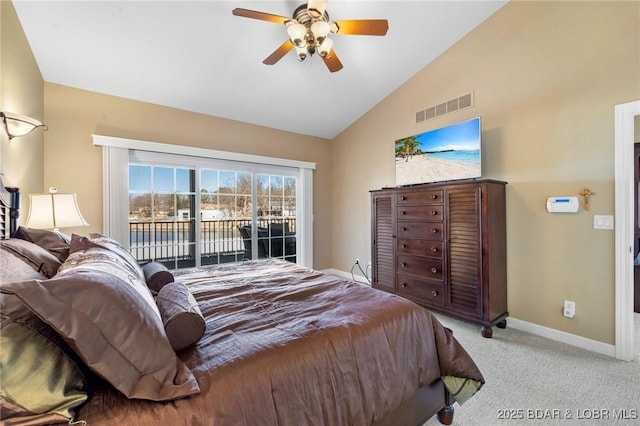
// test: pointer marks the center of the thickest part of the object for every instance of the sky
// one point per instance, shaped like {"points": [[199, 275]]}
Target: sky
{"points": [[460, 136]]}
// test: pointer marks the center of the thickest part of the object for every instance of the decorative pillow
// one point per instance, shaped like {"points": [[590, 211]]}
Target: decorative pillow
{"points": [[156, 275], [81, 243], [39, 259], [54, 242], [181, 315], [110, 319], [115, 246], [41, 383]]}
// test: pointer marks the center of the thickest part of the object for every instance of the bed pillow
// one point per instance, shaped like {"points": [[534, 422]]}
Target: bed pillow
{"points": [[110, 319], [156, 276], [181, 316], [42, 382], [38, 258], [54, 242], [15, 268]]}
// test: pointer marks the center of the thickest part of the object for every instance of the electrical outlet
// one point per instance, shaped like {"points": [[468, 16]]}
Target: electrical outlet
{"points": [[569, 310], [357, 262]]}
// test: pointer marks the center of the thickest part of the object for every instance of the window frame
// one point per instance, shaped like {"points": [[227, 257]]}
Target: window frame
{"points": [[118, 152]]}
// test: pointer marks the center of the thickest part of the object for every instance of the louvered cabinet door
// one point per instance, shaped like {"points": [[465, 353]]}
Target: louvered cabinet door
{"points": [[464, 290], [382, 225], [476, 286]]}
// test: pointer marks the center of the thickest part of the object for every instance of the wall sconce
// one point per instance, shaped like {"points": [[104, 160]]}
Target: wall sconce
{"points": [[17, 125], [54, 211]]}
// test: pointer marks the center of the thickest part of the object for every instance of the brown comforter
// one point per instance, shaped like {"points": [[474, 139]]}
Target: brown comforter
{"points": [[285, 345]]}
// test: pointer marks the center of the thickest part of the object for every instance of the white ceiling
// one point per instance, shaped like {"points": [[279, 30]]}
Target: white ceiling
{"points": [[197, 56]]}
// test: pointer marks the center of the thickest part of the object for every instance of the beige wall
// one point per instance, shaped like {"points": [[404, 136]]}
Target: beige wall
{"points": [[546, 77], [21, 92], [73, 164]]}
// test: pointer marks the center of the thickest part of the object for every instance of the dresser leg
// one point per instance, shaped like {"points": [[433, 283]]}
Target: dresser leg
{"points": [[487, 332], [502, 324]]}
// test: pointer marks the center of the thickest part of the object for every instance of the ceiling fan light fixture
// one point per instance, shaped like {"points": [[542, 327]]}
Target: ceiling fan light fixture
{"points": [[298, 34], [308, 32], [324, 49], [320, 29], [301, 53]]}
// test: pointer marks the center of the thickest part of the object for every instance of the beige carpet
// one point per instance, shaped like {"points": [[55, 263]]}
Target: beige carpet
{"points": [[535, 381]]}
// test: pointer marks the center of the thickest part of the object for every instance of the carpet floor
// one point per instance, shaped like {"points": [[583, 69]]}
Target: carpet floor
{"points": [[531, 380]]}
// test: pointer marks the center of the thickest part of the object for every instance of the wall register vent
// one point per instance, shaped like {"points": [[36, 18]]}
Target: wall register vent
{"points": [[456, 104]]}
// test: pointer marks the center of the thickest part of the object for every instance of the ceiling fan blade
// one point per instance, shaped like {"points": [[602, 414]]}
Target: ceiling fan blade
{"points": [[316, 8], [332, 62], [246, 13], [375, 27], [279, 53]]}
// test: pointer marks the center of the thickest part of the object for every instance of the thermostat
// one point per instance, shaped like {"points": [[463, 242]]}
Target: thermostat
{"points": [[563, 204]]}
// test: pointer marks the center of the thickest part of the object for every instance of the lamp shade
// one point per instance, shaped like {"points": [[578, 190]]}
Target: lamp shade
{"points": [[320, 29], [53, 211], [297, 34], [325, 48]]}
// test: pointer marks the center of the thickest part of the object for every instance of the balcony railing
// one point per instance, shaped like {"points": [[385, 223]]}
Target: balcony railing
{"points": [[173, 243]]}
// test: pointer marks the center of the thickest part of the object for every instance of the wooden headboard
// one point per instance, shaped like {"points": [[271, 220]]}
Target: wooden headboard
{"points": [[9, 210]]}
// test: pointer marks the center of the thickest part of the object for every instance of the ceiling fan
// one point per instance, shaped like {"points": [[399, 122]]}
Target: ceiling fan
{"points": [[309, 28]]}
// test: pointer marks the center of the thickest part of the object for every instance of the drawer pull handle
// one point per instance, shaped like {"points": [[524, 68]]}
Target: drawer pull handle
{"points": [[403, 285], [403, 228], [403, 246], [403, 212], [434, 230], [404, 265], [434, 212], [434, 293], [434, 197], [434, 250], [434, 270], [403, 198]]}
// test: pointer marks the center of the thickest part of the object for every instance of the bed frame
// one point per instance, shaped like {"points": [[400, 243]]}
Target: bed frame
{"points": [[425, 403], [9, 210]]}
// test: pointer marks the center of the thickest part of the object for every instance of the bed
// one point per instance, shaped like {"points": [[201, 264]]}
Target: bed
{"points": [[281, 344]]}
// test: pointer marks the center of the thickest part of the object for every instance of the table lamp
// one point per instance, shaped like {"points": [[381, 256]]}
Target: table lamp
{"points": [[54, 211]]}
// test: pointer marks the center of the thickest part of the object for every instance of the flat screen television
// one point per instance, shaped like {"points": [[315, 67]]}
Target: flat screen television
{"points": [[448, 153]]}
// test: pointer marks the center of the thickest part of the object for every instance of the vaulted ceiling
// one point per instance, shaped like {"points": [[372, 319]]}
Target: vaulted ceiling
{"points": [[197, 56]]}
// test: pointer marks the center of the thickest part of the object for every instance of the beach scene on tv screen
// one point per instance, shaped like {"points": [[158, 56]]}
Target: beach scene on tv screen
{"points": [[448, 153]]}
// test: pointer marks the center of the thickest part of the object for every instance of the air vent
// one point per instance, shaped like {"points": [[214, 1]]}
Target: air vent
{"points": [[430, 113], [452, 105], [466, 101], [456, 104]]}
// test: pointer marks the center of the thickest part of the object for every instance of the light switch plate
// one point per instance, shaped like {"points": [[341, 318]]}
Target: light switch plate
{"points": [[602, 221]]}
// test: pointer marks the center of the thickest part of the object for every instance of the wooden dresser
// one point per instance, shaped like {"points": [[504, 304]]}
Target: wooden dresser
{"points": [[444, 247]]}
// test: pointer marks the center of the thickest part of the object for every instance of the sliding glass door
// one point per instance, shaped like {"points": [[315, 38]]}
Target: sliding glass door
{"points": [[202, 215]]}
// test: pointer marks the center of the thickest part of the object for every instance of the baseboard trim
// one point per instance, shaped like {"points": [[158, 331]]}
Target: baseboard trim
{"points": [[562, 336]]}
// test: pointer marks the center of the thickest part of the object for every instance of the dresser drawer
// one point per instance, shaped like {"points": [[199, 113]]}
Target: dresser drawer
{"points": [[426, 268], [428, 292], [429, 248], [431, 212], [423, 230], [420, 197]]}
